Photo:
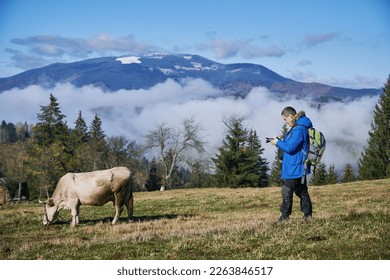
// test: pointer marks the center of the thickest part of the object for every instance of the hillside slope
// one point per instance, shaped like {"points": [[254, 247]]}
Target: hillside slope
{"points": [[351, 221]]}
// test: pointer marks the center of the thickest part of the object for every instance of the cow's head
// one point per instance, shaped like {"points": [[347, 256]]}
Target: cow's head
{"points": [[50, 211]]}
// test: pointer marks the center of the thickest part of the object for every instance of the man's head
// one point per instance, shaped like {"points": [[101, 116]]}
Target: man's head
{"points": [[288, 114]]}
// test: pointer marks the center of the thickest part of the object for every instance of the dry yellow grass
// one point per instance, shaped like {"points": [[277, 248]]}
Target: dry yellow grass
{"points": [[211, 224]]}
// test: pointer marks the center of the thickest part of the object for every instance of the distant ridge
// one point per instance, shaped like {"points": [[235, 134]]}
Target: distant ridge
{"points": [[133, 72]]}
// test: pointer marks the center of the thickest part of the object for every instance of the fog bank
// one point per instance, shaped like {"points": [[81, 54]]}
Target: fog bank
{"points": [[133, 113]]}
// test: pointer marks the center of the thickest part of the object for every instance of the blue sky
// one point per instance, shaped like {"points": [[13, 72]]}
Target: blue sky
{"points": [[342, 43]]}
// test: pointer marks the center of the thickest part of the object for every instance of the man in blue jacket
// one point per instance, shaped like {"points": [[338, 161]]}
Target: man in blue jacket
{"points": [[295, 146]]}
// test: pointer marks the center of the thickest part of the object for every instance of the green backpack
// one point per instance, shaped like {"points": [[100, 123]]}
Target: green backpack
{"points": [[316, 150], [317, 146]]}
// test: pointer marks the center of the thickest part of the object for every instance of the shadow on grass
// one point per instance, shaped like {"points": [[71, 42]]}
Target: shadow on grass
{"points": [[139, 219], [159, 217]]}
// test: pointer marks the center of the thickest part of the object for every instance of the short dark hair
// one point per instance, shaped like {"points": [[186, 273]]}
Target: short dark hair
{"points": [[288, 110]]}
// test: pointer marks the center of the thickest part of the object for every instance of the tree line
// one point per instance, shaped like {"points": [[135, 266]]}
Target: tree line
{"points": [[40, 154]]}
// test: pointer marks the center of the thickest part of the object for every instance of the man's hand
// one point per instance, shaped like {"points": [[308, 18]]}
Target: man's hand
{"points": [[274, 141]]}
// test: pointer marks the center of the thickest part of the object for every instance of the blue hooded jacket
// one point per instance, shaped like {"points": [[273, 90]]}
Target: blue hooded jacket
{"points": [[294, 143]]}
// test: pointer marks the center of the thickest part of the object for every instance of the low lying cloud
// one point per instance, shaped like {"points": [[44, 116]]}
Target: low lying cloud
{"points": [[133, 113]]}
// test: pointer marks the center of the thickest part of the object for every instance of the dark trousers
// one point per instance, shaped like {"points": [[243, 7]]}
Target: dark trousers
{"points": [[290, 187]]}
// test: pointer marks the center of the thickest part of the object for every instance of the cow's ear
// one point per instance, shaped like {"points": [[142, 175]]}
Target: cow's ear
{"points": [[50, 202]]}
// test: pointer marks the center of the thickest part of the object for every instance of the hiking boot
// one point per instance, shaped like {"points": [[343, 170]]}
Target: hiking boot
{"points": [[308, 217], [283, 219]]}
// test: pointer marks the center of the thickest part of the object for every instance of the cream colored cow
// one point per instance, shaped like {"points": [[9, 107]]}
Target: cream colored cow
{"points": [[91, 188]]}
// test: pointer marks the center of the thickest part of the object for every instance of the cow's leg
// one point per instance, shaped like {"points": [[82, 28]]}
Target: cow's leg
{"points": [[118, 207], [75, 214], [129, 206]]}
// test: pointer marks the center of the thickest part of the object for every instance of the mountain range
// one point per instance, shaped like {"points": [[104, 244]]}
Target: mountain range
{"points": [[133, 72]]}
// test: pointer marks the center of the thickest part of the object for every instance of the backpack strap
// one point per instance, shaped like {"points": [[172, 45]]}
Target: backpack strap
{"points": [[305, 163]]}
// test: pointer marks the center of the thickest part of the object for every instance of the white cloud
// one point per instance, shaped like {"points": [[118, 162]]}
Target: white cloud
{"points": [[313, 40], [355, 82], [224, 48], [305, 62], [40, 50], [133, 113]]}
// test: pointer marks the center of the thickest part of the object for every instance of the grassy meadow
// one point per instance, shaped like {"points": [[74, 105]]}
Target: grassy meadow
{"points": [[351, 221]]}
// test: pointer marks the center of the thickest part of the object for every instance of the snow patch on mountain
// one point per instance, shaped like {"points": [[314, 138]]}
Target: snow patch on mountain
{"points": [[157, 55], [187, 68], [235, 70], [129, 59], [197, 67], [167, 71]]}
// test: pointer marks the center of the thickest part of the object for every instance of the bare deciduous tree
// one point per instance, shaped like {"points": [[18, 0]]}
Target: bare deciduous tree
{"points": [[174, 145]]}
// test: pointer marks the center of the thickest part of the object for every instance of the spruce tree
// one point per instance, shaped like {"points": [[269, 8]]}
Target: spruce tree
{"points": [[239, 162], [79, 140], [259, 164], [153, 183], [50, 150], [97, 146], [374, 162], [80, 132], [96, 130], [51, 126], [319, 176], [8, 133], [331, 175], [231, 153], [348, 174]]}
